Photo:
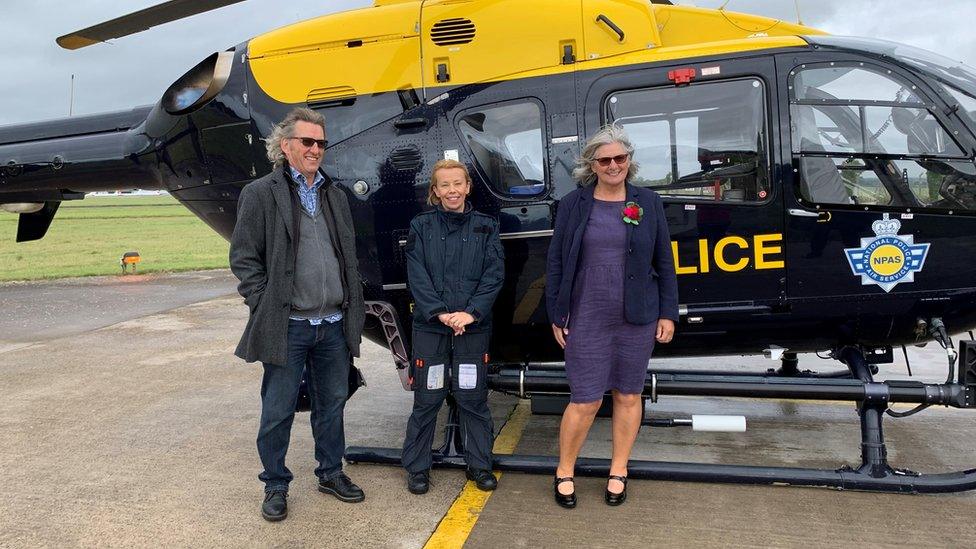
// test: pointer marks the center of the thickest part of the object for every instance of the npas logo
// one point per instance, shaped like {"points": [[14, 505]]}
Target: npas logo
{"points": [[889, 258]]}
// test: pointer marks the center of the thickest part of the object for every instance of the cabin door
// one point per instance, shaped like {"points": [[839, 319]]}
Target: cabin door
{"points": [[702, 139]]}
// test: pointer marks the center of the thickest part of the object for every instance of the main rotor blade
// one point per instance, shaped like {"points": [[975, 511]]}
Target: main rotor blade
{"points": [[139, 21]]}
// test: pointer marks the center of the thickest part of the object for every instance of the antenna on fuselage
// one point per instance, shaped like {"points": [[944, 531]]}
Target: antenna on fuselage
{"points": [[797, 4]]}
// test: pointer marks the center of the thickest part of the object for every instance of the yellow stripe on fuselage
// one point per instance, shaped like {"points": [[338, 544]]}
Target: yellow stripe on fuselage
{"points": [[389, 47]]}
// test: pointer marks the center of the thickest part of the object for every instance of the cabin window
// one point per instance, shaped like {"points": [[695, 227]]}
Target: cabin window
{"points": [[862, 136], [507, 143], [705, 141]]}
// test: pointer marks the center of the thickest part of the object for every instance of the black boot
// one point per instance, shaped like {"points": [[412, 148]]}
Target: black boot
{"points": [[483, 478], [418, 483]]}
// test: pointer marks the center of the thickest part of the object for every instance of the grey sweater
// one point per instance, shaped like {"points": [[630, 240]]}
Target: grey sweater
{"points": [[317, 286]]}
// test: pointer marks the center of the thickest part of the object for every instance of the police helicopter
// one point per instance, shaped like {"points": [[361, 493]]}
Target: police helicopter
{"points": [[820, 190]]}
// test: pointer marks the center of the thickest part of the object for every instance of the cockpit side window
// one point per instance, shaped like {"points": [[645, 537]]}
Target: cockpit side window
{"points": [[967, 103], [706, 141], [850, 84], [863, 136]]}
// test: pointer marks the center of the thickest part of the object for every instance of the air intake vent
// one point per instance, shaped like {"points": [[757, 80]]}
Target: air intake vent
{"points": [[452, 31], [327, 96], [406, 159]]}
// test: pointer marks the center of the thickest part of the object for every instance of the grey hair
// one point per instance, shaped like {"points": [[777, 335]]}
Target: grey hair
{"points": [[608, 135], [286, 129]]}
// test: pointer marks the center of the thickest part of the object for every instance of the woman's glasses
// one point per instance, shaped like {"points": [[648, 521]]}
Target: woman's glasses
{"points": [[605, 161], [307, 142]]}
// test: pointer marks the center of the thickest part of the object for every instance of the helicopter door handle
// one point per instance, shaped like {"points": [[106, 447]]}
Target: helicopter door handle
{"points": [[404, 123], [613, 26], [822, 217]]}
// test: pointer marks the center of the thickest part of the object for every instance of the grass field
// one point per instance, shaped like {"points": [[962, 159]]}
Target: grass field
{"points": [[89, 236]]}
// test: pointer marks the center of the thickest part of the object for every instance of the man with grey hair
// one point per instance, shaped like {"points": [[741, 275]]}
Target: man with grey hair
{"points": [[294, 251]]}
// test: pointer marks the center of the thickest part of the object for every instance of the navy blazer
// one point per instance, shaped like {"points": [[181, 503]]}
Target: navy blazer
{"points": [[650, 283]]}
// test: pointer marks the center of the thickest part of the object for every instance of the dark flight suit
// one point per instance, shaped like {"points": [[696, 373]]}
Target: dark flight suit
{"points": [[455, 263]]}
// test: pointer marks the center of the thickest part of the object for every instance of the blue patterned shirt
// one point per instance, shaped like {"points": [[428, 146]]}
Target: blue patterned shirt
{"points": [[310, 203], [309, 195]]}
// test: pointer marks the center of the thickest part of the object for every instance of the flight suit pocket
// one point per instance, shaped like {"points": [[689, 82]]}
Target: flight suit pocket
{"points": [[469, 369], [431, 362], [429, 374], [468, 374], [474, 256]]}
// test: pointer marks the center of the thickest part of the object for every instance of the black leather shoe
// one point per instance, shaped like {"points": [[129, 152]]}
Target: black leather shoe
{"points": [[418, 483], [483, 478], [612, 498], [564, 500], [275, 506], [342, 488]]}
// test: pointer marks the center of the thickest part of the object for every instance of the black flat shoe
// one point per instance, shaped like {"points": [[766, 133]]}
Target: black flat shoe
{"points": [[275, 506], [564, 500], [612, 498], [342, 488]]}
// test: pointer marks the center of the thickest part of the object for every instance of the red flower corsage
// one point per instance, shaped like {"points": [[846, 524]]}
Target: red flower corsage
{"points": [[633, 213]]}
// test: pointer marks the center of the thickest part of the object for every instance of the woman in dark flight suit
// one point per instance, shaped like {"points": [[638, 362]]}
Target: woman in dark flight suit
{"points": [[611, 291], [455, 269]]}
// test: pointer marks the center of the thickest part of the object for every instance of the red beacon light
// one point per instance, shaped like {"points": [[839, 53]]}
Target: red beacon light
{"points": [[682, 76]]}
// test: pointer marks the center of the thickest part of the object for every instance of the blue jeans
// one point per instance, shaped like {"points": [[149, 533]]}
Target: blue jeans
{"points": [[323, 348]]}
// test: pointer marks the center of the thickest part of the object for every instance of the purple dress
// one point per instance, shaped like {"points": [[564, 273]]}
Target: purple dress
{"points": [[604, 351]]}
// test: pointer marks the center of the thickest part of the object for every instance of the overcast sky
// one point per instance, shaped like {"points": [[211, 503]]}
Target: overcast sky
{"points": [[135, 70]]}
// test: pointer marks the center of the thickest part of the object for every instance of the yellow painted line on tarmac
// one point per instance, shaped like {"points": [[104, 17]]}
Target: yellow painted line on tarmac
{"points": [[456, 526], [511, 432]]}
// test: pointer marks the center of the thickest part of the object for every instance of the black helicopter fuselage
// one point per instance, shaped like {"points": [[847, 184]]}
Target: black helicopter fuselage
{"points": [[763, 259]]}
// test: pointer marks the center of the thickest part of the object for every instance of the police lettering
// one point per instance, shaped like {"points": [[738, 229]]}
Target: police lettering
{"points": [[733, 254]]}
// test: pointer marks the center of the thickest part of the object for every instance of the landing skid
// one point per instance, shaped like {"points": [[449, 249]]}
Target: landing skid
{"points": [[872, 398]]}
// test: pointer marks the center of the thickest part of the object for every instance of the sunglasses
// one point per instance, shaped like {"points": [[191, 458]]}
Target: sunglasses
{"points": [[605, 161], [307, 142]]}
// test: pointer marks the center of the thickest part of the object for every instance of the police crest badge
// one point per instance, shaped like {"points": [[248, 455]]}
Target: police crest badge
{"points": [[887, 259]]}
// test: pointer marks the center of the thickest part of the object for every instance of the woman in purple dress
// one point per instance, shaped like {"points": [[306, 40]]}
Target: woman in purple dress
{"points": [[611, 292]]}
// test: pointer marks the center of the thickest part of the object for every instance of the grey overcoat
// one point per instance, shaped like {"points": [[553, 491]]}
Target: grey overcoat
{"points": [[262, 256]]}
